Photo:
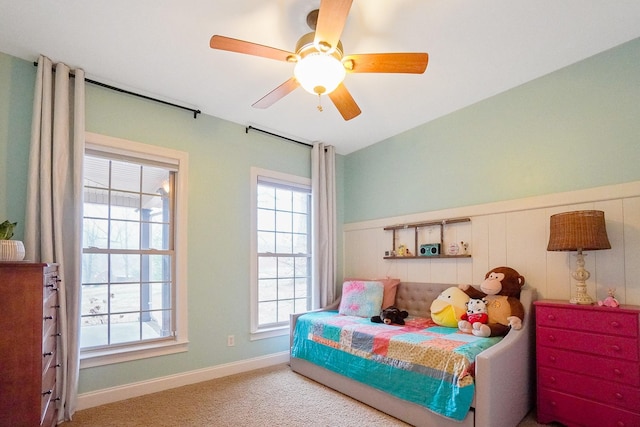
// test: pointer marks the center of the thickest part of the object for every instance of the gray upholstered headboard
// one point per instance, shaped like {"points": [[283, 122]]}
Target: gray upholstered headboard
{"points": [[416, 298]]}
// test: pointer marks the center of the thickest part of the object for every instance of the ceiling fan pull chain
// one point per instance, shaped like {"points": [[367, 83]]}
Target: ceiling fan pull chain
{"points": [[320, 103]]}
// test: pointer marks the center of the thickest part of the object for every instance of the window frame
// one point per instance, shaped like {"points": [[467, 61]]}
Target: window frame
{"points": [[145, 152], [256, 331]]}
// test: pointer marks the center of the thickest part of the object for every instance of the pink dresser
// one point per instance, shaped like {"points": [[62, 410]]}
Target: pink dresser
{"points": [[588, 364]]}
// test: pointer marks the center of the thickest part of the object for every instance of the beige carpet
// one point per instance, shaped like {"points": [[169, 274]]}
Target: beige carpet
{"points": [[273, 396]]}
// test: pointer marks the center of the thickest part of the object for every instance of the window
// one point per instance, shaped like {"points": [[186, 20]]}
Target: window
{"points": [[132, 280], [281, 271]]}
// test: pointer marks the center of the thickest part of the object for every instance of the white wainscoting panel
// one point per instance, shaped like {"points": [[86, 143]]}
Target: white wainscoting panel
{"points": [[512, 233]]}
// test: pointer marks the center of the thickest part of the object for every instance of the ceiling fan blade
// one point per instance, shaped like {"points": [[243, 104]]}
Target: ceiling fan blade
{"points": [[249, 48], [412, 63], [332, 16], [344, 102], [278, 93]]}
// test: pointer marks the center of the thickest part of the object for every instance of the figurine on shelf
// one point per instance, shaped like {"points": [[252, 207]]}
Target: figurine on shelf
{"points": [[464, 247], [610, 300], [403, 251]]}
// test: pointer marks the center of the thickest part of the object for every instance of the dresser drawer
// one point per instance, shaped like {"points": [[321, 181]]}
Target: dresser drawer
{"points": [[602, 345], [620, 371], [48, 390], [50, 284], [606, 392], [576, 411], [608, 322]]}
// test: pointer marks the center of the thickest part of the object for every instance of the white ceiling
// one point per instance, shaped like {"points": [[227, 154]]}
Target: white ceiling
{"points": [[160, 48]]}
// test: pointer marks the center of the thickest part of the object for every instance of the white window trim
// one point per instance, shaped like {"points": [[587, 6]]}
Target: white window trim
{"points": [[261, 333], [90, 359]]}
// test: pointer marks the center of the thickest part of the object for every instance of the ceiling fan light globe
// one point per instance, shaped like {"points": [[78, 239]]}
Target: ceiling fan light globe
{"points": [[319, 73]]}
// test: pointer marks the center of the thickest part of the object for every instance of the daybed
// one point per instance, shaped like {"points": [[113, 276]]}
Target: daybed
{"points": [[504, 385]]}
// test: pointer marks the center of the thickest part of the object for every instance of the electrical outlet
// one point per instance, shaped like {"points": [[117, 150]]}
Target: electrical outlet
{"points": [[231, 341]]}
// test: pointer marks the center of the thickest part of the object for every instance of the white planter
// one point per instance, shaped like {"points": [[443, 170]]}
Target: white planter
{"points": [[11, 250]]}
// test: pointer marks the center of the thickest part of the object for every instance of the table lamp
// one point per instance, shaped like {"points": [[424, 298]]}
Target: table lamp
{"points": [[578, 231]]}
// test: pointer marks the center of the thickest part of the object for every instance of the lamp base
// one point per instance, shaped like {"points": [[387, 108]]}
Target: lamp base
{"points": [[582, 300], [581, 275]]}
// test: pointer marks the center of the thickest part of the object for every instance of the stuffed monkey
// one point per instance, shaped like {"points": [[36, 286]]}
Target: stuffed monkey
{"points": [[501, 288]]}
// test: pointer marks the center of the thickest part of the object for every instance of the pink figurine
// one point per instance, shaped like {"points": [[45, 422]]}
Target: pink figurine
{"points": [[609, 301]]}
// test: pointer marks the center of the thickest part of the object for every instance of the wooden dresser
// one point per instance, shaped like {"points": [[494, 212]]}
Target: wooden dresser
{"points": [[588, 364], [28, 358]]}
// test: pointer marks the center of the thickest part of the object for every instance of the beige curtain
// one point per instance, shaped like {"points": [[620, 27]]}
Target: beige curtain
{"points": [[323, 191], [53, 225]]}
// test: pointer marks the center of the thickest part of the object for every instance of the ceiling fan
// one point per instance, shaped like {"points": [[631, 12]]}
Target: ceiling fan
{"points": [[320, 61]]}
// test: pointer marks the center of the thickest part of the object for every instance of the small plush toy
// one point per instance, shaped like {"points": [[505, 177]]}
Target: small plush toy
{"points": [[391, 315], [610, 300], [476, 313], [449, 306], [501, 288]]}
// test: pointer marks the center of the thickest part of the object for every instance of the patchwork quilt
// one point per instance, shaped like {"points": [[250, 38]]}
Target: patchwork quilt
{"points": [[420, 362]]}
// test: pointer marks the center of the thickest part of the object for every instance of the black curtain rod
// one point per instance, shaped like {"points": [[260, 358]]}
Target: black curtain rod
{"points": [[248, 128], [117, 89]]}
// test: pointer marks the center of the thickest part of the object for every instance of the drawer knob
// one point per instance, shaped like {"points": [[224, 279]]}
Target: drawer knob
{"points": [[44, 393], [551, 317], [615, 347], [617, 372], [47, 354], [48, 317], [615, 324], [619, 396], [552, 338], [552, 358], [552, 379]]}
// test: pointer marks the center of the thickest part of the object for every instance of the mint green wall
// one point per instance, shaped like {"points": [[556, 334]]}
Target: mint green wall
{"points": [[220, 156], [16, 103], [575, 128]]}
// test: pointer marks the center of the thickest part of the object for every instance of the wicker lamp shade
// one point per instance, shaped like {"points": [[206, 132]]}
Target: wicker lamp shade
{"points": [[572, 231]]}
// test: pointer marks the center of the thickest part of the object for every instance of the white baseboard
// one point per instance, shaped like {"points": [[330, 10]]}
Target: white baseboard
{"points": [[127, 391]]}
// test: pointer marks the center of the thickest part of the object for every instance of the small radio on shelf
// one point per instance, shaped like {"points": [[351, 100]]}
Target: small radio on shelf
{"points": [[431, 249]]}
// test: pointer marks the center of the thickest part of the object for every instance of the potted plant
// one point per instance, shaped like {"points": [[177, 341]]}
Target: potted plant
{"points": [[10, 250]]}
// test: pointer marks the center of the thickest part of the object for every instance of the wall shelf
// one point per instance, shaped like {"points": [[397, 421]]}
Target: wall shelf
{"points": [[417, 225]]}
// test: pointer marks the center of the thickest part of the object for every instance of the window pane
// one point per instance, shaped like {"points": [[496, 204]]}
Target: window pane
{"points": [[155, 180], [95, 268], [300, 202], [267, 290], [266, 197], [284, 244], [285, 289], [125, 235], [125, 206], [95, 333], [96, 204], [268, 312], [156, 268], [284, 221], [300, 223], [266, 220], [300, 245], [302, 286], [155, 236], [125, 176], [125, 268], [95, 233], [267, 267], [285, 267], [285, 308], [97, 172], [95, 302], [284, 200], [125, 328], [125, 298], [266, 242]]}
